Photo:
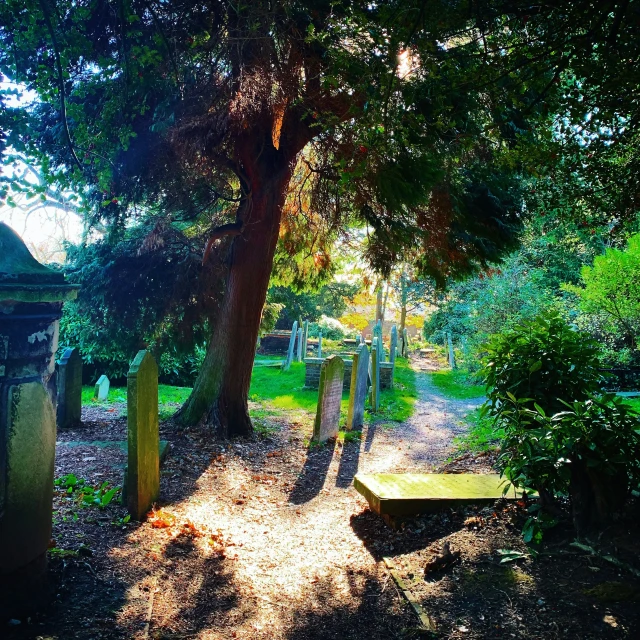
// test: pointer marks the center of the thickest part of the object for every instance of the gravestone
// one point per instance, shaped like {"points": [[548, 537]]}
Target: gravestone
{"points": [[292, 344], [393, 345], [375, 376], [143, 470], [377, 333], [359, 387], [305, 339], [69, 389], [299, 346], [329, 396], [319, 344], [31, 300], [101, 392]]}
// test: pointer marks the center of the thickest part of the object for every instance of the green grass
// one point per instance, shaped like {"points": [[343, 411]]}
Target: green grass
{"points": [[482, 434], [456, 384], [279, 391], [634, 402], [170, 399]]}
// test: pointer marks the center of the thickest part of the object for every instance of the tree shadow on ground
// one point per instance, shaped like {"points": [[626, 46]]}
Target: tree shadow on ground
{"points": [[381, 613], [205, 585], [349, 461], [313, 474]]}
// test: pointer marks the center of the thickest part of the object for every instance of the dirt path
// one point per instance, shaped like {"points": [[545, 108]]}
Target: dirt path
{"points": [[425, 440]]}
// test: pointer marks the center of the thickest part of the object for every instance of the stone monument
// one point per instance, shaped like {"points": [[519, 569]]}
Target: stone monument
{"points": [[319, 344], [299, 346], [101, 392], [31, 299], [375, 376], [292, 343], [329, 398], [358, 388], [69, 389], [143, 471]]}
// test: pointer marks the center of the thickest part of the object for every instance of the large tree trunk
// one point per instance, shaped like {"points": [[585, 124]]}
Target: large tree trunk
{"points": [[221, 389]]}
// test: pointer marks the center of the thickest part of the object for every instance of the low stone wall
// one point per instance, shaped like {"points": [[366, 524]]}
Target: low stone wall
{"points": [[386, 375], [312, 373], [275, 344]]}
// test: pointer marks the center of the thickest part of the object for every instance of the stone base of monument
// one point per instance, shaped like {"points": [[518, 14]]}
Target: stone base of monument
{"points": [[399, 495]]}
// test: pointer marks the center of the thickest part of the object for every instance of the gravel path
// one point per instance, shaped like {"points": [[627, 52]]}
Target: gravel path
{"points": [[425, 440]]}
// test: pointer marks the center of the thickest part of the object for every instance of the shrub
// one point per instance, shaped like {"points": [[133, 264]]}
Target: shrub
{"points": [[561, 438], [542, 359]]}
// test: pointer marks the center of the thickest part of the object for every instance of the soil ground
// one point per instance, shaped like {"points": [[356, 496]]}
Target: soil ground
{"points": [[267, 539]]}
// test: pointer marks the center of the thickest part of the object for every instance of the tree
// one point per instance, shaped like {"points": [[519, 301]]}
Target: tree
{"points": [[205, 113], [611, 290]]}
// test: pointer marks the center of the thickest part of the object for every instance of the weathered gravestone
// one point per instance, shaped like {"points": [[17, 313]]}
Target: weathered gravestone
{"points": [[359, 387], [329, 398], [393, 345], [31, 299], [143, 471], [319, 344], [299, 346], [69, 389], [292, 344], [101, 392], [305, 339], [377, 332], [375, 375], [405, 342]]}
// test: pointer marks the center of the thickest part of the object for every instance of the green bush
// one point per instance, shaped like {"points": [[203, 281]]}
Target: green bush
{"points": [[560, 437], [544, 360]]}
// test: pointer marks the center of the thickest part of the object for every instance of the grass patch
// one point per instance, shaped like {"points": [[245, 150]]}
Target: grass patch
{"points": [[170, 398], [633, 402], [456, 384], [284, 391], [398, 404], [482, 434]]}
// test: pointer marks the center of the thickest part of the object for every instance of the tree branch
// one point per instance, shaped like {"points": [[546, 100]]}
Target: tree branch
{"points": [[63, 102], [230, 229]]}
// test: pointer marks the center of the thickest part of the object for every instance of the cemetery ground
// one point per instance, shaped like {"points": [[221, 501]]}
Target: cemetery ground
{"points": [[267, 539]]}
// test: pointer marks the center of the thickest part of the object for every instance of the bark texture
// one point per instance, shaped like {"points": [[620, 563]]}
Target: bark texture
{"points": [[221, 389]]}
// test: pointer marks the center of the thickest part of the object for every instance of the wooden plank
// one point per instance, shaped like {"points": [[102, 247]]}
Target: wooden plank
{"points": [[405, 494]]}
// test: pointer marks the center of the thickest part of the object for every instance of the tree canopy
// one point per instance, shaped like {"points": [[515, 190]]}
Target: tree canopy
{"points": [[249, 125]]}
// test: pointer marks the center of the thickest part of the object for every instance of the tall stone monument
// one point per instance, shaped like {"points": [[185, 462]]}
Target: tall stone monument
{"points": [[292, 343], [69, 389], [143, 471], [393, 345], [299, 346], [319, 344], [31, 299], [305, 339], [358, 388], [375, 375], [329, 397]]}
